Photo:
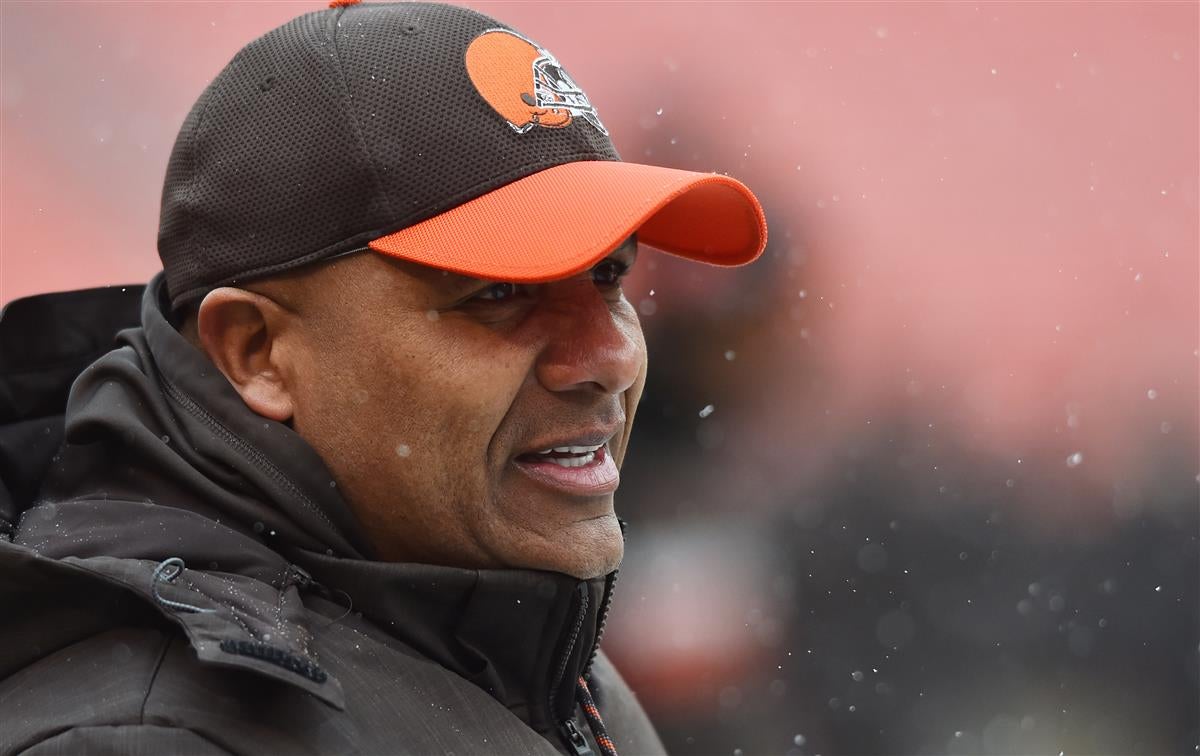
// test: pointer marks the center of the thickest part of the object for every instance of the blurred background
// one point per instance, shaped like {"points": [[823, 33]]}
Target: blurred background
{"points": [[924, 479]]}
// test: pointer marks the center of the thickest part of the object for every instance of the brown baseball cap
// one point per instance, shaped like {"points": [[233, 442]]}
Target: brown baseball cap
{"points": [[429, 133]]}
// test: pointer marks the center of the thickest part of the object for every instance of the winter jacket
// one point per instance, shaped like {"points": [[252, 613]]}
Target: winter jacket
{"points": [[181, 575]]}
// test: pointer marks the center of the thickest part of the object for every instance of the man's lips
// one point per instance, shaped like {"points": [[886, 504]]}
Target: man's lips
{"points": [[574, 473]]}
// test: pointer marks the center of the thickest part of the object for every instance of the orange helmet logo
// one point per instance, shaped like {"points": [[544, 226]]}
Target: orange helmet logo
{"points": [[525, 84]]}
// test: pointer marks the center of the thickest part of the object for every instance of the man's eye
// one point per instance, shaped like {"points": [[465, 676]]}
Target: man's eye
{"points": [[609, 273], [498, 292]]}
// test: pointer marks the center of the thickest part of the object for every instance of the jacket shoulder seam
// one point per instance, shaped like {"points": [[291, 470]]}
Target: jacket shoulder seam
{"points": [[158, 664]]}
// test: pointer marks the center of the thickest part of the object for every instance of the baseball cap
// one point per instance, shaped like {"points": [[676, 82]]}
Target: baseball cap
{"points": [[427, 132]]}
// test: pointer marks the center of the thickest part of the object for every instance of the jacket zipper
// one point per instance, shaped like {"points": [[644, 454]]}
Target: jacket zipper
{"points": [[575, 739], [570, 731], [609, 583], [605, 602]]}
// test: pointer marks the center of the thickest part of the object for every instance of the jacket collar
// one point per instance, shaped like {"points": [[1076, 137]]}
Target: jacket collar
{"points": [[524, 636]]}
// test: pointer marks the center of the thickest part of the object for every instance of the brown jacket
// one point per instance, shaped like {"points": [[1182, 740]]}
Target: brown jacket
{"points": [[188, 579]]}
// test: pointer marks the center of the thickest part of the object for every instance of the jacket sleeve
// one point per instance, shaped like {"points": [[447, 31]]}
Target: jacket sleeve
{"points": [[126, 740]]}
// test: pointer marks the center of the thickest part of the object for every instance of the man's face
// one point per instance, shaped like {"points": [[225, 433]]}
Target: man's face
{"points": [[431, 395]]}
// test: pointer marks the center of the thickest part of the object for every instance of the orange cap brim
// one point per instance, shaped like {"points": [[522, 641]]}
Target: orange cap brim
{"points": [[562, 220]]}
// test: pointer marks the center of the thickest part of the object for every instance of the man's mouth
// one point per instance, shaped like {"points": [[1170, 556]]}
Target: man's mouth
{"points": [[578, 470]]}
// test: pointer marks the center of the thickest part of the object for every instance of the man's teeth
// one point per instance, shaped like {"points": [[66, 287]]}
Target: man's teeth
{"points": [[583, 455], [572, 449], [573, 461]]}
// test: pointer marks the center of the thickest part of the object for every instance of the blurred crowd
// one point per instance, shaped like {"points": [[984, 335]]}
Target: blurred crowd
{"points": [[833, 551]]}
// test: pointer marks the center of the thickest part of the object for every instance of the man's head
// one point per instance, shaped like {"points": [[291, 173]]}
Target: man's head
{"points": [[430, 394], [339, 244]]}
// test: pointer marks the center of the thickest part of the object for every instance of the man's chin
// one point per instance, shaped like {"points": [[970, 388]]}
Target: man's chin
{"points": [[584, 550]]}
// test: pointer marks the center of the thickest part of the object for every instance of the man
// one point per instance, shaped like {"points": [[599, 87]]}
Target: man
{"points": [[348, 486]]}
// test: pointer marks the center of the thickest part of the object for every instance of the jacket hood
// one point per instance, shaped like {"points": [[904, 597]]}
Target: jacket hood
{"points": [[168, 483], [178, 434]]}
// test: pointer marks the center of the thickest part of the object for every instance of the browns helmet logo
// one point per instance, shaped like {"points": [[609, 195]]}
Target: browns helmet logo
{"points": [[525, 84]]}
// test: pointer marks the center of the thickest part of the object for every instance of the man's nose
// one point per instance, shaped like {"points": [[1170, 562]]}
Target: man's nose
{"points": [[590, 345]]}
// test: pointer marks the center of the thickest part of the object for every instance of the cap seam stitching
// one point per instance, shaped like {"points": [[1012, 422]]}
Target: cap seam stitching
{"points": [[188, 203], [352, 115]]}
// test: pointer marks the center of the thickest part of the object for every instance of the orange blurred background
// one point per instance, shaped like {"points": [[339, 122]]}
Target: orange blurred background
{"points": [[985, 245]]}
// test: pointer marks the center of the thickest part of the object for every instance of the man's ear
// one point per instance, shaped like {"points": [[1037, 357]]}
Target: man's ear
{"points": [[239, 330]]}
